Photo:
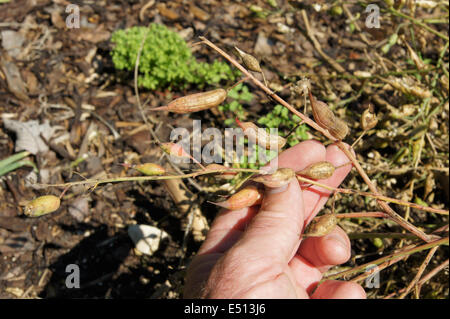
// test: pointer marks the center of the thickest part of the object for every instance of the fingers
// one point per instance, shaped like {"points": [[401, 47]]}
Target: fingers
{"points": [[198, 273], [318, 195], [273, 234], [326, 251], [228, 225], [333, 289], [226, 229]]}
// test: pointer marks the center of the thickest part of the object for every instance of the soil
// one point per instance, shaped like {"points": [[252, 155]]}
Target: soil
{"points": [[71, 82]]}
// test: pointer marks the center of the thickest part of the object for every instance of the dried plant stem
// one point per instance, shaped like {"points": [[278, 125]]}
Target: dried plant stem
{"points": [[419, 272], [397, 218], [377, 196], [362, 214], [402, 253], [418, 22], [318, 47], [381, 235], [427, 277], [150, 178], [430, 275]]}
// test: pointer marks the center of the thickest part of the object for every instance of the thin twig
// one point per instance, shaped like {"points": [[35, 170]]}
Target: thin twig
{"points": [[404, 252], [419, 272], [396, 217], [150, 178], [377, 196], [419, 23]]}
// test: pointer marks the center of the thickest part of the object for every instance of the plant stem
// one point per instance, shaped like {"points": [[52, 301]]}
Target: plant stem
{"points": [[151, 178], [418, 22], [419, 272], [377, 196], [380, 235], [404, 252]]}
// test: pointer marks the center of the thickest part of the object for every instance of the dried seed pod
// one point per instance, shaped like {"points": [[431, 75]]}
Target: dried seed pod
{"points": [[259, 135], [408, 86], [368, 119], [150, 169], [246, 197], [321, 226], [339, 130], [250, 62], [195, 102], [42, 205], [325, 118], [319, 170], [321, 112], [417, 61], [178, 151], [223, 175], [281, 177], [174, 150], [302, 86]]}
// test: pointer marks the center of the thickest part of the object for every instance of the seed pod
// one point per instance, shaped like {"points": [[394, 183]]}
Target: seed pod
{"points": [[368, 119], [257, 135], [321, 112], [321, 226], [150, 169], [195, 102], [302, 86], [223, 175], [325, 118], [417, 61], [246, 197], [250, 62], [42, 205], [319, 170], [281, 177], [174, 150], [339, 130]]}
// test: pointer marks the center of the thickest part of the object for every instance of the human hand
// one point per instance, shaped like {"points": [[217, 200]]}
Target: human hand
{"points": [[258, 252]]}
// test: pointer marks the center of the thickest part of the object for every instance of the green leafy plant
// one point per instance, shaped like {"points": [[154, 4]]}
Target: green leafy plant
{"points": [[240, 93], [166, 60], [14, 162], [280, 118]]}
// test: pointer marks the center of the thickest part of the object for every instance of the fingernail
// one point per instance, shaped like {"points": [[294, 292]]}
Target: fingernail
{"points": [[271, 190], [338, 239]]}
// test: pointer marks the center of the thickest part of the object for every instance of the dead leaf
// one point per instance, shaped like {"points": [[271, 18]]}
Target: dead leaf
{"points": [[15, 83], [29, 135]]}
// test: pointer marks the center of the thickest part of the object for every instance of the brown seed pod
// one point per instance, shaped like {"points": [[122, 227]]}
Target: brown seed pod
{"points": [[281, 177], [257, 135], [321, 226], [246, 197], [150, 169], [325, 118], [174, 150], [339, 130], [42, 205], [319, 170], [223, 175], [250, 62], [302, 86], [195, 102], [369, 119]]}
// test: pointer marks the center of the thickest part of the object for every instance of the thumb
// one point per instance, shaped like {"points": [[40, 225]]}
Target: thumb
{"points": [[274, 233]]}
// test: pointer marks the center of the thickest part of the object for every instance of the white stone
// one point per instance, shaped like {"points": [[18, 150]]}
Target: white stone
{"points": [[146, 238]]}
